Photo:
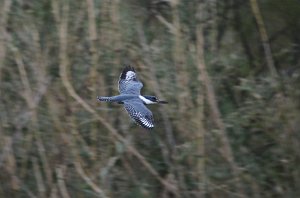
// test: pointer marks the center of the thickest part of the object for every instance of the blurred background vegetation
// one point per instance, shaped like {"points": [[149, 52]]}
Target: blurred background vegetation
{"points": [[229, 69]]}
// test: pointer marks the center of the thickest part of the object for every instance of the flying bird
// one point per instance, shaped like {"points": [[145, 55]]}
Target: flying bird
{"points": [[130, 96]]}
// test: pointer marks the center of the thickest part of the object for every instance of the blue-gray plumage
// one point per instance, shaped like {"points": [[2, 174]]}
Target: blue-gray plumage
{"points": [[130, 96]]}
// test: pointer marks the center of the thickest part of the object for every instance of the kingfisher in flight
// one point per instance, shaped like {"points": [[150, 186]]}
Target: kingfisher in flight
{"points": [[130, 96]]}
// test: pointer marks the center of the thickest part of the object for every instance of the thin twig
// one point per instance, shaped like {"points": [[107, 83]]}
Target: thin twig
{"points": [[38, 177], [264, 37], [88, 180], [53, 192], [61, 181], [164, 21], [3, 33], [74, 150], [199, 137]]}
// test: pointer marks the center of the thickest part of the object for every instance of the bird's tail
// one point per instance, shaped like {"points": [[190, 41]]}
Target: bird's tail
{"points": [[105, 99]]}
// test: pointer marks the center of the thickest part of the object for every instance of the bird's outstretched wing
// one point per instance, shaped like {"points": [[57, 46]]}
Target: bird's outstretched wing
{"points": [[139, 113], [128, 82]]}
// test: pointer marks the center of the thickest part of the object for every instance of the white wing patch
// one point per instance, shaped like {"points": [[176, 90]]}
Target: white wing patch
{"points": [[130, 75], [145, 100]]}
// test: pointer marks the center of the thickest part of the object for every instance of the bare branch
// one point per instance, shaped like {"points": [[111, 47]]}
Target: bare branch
{"points": [[61, 181], [264, 37], [3, 33]]}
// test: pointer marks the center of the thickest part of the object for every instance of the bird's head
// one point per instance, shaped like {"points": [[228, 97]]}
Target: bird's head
{"points": [[152, 100]]}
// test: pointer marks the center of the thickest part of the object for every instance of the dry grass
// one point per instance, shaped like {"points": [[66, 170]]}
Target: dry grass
{"points": [[229, 130]]}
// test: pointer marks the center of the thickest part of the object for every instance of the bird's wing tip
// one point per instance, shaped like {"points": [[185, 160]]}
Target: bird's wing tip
{"points": [[150, 128], [146, 127], [128, 67]]}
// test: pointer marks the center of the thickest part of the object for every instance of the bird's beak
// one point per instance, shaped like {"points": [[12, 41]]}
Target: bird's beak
{"points": [[162, 102]]}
